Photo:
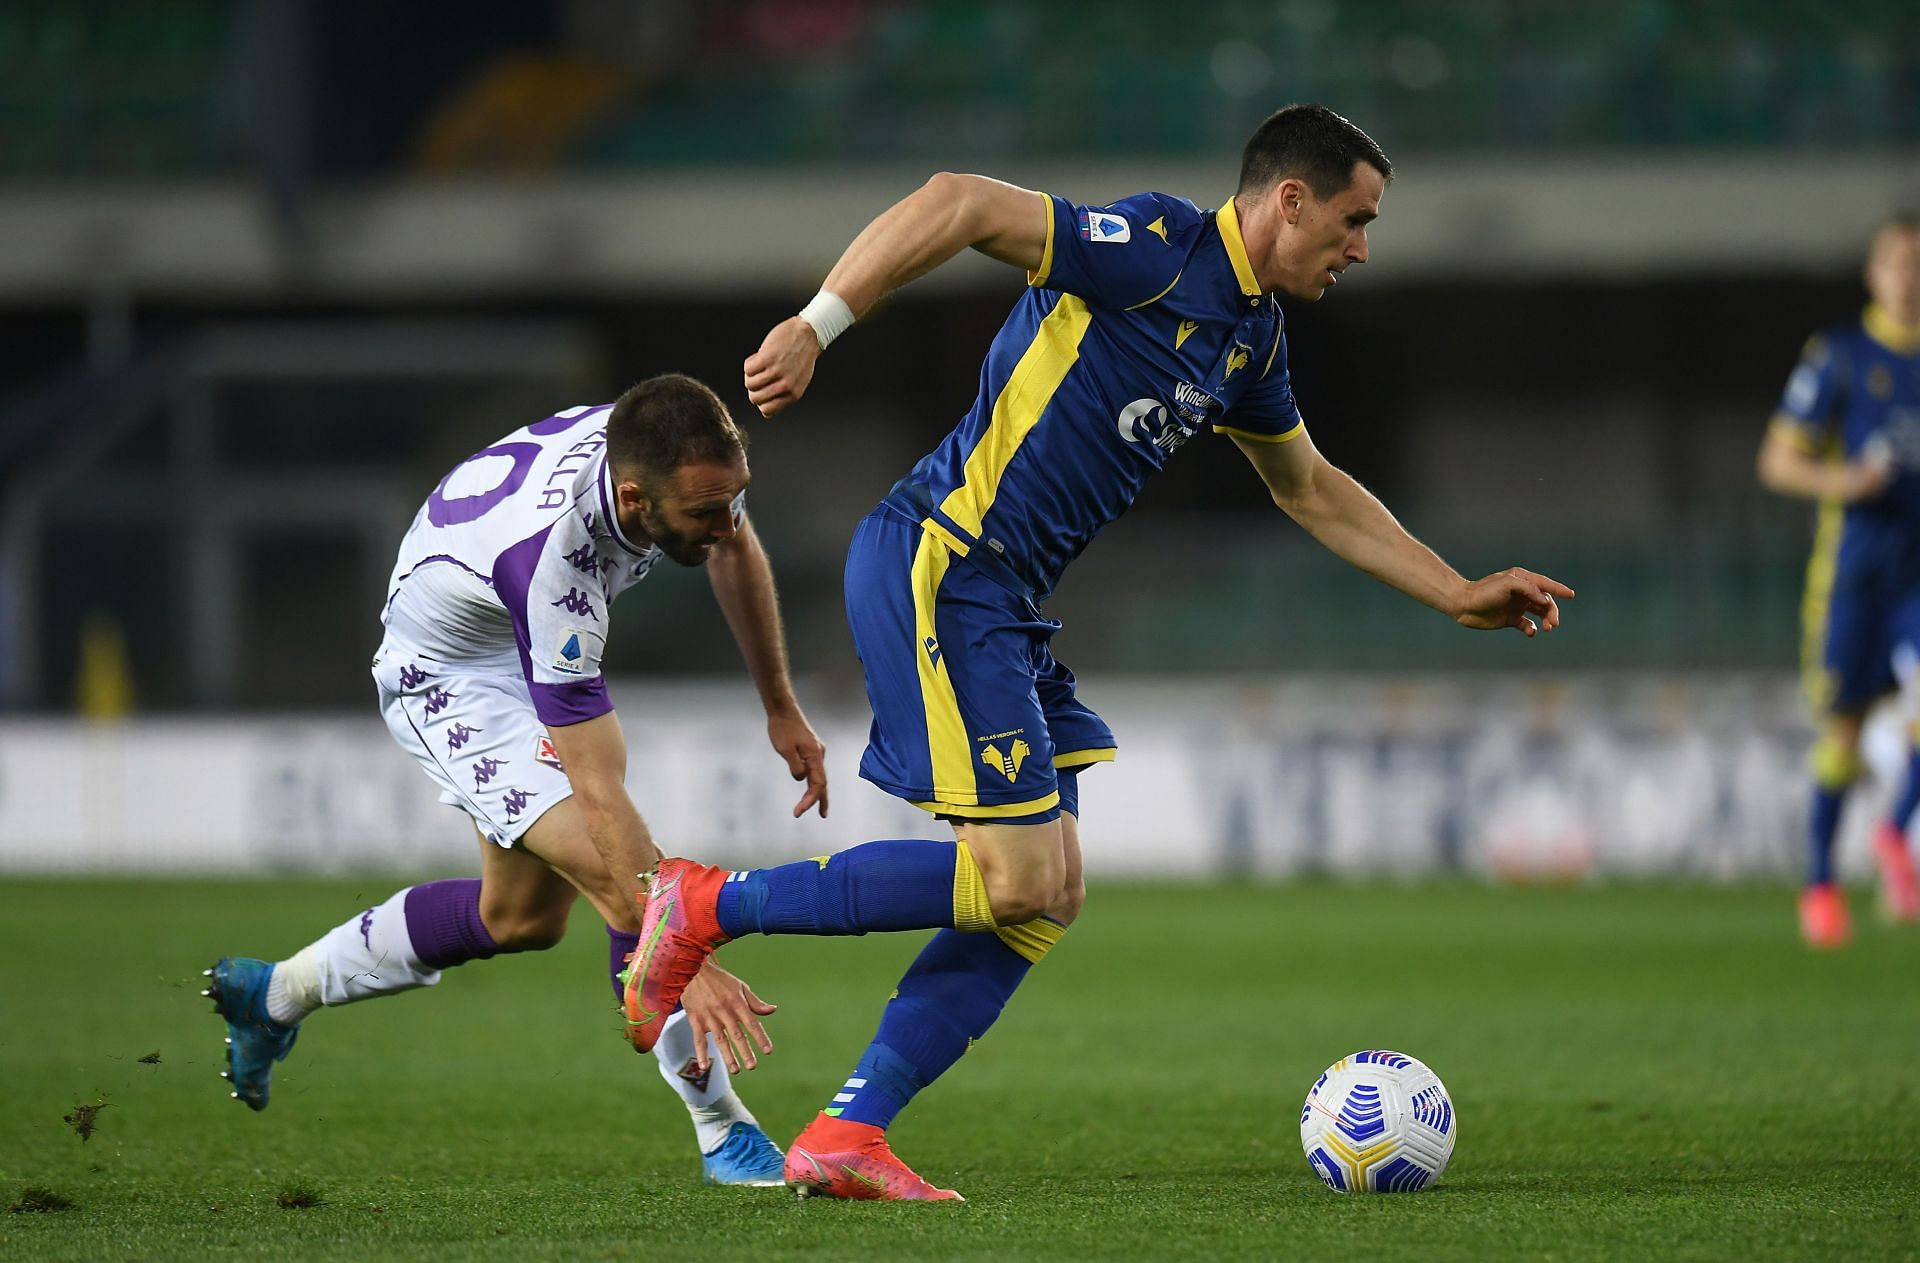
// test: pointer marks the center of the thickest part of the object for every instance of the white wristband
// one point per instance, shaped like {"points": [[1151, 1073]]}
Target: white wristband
{"points": [[829, 315]]}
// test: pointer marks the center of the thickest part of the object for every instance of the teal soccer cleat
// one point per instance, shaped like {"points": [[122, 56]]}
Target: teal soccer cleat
{"points": [[746, 1158], [238, 989]]}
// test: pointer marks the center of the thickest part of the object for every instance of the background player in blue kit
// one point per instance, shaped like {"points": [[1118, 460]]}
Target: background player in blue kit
{"points": [[1847, 434], [1145, 323]]}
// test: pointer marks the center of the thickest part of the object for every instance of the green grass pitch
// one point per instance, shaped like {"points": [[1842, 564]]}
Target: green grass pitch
{"points": [[1639, 1072]]}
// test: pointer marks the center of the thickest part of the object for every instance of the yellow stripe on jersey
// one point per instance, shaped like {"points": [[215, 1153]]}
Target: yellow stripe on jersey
{"points": [[948, 749], [1029, 389], [1162, 294], [973, 811], [1229, 221], [1816, 682], [1299, 428], [1794, 431], [1080, 758], [1883, 328], [1046, 251]]}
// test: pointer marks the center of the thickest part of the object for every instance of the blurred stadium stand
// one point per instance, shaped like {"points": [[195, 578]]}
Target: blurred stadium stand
{"points": [[1613, 226]]}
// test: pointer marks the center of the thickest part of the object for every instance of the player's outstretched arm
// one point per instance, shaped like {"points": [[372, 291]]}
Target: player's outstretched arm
{"points": [[1345, 517], [1789, 468], [947, 214], [743, 584]]}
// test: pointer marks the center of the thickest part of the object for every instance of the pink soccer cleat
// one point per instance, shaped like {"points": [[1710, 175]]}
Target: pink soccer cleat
{"points": [[1824, 922], [1899, 891], [836, 1158], [677, 934]]}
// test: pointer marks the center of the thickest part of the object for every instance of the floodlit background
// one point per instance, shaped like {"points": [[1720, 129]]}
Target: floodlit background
{"points": [[268, 270]]}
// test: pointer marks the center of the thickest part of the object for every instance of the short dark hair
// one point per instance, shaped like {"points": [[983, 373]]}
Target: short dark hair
{"points": [[1310, 143], [669, 421]]}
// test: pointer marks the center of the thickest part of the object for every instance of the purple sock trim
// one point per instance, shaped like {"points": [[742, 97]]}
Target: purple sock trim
{"points": [[443, 920], [620, 945]]}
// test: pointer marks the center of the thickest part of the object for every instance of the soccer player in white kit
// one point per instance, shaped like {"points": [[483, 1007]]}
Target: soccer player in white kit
{"points": [[489, 676]]}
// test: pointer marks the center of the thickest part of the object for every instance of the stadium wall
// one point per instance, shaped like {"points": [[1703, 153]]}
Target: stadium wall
{"points": [[1691, 776]]}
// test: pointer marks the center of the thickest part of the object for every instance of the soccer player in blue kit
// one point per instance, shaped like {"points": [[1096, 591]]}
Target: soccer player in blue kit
{"points": [[1144, 323], [1847, 434]]}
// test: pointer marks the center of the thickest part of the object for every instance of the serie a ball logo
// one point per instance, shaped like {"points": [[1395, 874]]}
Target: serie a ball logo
{"points": [[1377, 1122]]}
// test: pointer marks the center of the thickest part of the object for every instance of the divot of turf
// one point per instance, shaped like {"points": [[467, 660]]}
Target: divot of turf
{"points": [[297, 1197], [151, 1059], [39, 1201], [82, 1119]]}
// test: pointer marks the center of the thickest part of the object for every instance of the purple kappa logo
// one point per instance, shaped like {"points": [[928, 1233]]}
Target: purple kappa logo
{"points": [[412, 677], [483, 771], [576, 602], [459, 735], [438, 699], [584, 560], [366, 930], [516, 801]]}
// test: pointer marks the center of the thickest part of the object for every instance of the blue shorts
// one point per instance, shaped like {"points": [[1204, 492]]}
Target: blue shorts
{"points": [[1851, 643], [973, 717]]}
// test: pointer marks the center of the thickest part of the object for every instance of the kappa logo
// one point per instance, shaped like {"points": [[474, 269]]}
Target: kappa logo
{"points": [[576, 602], [412, 677], [458, 736], [516, 802], [1186, 330], [1007, 764], [484, 771], [366, 928], [584, 560], [1098, 225]]}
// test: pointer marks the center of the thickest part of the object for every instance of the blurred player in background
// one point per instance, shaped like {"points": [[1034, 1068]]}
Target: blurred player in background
{"points": [[489, 676], [1847, 434], [1145, 322]]}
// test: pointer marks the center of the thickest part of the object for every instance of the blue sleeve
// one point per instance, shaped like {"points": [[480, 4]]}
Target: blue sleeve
{"points": [[1811, 401], [1123, 255], [1267, 413]]}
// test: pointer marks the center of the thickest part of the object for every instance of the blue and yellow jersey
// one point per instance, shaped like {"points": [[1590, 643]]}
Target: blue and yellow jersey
{"points": [[1143, 324], [1856, 394]]}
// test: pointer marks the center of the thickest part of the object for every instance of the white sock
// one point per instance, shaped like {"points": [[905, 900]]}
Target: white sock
{"points": [[710, 1098], [368, 955], [294, 989]]}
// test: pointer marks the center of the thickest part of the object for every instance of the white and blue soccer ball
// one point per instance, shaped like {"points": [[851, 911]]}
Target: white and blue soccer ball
{"points": [[1377, 1122]]}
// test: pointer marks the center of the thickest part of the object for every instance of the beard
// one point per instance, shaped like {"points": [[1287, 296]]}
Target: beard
{"points": [[685, 549]]}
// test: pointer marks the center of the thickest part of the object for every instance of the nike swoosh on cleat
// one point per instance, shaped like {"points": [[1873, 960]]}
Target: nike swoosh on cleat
{"points": [[640, 967], [879, 1186]]}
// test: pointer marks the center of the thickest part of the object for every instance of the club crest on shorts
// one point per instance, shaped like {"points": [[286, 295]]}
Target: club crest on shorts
{"points": [[1007, 764], [544, 752]]}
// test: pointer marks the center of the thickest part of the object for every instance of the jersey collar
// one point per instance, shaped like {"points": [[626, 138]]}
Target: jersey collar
{"points": [[1229, 221], [1890, 333], [607, 514]]}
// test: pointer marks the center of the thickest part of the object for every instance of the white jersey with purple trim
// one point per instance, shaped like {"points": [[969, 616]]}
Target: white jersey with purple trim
{"points": [[510, 565]]}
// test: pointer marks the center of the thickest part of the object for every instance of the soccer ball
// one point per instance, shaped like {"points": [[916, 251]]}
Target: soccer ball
{"points": [[1377, 1122]]}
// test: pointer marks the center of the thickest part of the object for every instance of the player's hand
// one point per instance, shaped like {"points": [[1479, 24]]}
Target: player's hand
{"points": [[1866, 480], [806, 757], [1513, 598], [779, 372], [720, 1005]]}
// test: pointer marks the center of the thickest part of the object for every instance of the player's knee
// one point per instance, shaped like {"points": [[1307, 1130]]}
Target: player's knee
{"points": [[1019, 896], [533, 931], [1067, 907]]}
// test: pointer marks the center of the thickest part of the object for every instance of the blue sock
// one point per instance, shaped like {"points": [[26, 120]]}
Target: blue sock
{"points": [[876, 886], [1909, 798], [952, 993], [1825, 823]]}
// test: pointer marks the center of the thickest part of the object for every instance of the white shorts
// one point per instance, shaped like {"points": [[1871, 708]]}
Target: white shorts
{"points": [[476, 736]]}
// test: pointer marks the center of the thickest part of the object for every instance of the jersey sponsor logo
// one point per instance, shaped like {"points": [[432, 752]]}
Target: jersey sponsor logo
{"points": [[543, 752], [1098, 225], [1193, 403], [1150, 421], [572, 656], [1185, 331]]}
